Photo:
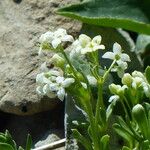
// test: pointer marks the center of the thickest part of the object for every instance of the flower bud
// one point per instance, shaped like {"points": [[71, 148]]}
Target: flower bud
{"points": [[139, 115], [127, 79], [58, 61], [114, 88]]}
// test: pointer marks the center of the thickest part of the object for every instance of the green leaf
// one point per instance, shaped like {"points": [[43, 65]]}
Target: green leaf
{"points": [[105, 142], [10, 140], [5, 146], [128, 14], [2, 139], [87, 144], [123, 133], [146, 145], [29, 142], [126, 148], [147, 74]]}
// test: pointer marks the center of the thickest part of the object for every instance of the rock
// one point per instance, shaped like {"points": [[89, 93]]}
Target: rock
{"points": [[22, 22]]}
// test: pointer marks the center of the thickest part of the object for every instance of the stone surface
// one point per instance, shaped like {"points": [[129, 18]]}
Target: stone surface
{"points": [[21, 24]]}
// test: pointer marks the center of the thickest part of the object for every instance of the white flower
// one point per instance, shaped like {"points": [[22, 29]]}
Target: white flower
{"points": [[48, 92], [61, 35], [85, 44], [53, 84], [46, 37], [55, 38], [121, 59], [92, 80], [116, 54], [59, 86]]}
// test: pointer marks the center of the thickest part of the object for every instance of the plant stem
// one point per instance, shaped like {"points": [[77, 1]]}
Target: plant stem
{"points": [[100, 103], [107, 72], [72, 68], [94, 132]]}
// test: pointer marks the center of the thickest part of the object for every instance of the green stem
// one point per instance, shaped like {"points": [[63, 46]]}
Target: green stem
{"points": [[100, 103], [94, 132], [107, 72], [72, 68]]}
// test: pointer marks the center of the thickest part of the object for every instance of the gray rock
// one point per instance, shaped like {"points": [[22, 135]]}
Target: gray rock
{"points": [[22, 22]]}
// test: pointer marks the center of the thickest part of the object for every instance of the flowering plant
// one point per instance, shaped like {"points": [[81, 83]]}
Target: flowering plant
{"points": [[78, 72]]}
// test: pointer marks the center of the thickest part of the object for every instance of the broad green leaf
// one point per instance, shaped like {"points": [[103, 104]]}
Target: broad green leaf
{"points": [[147, 74], [128, 14]]}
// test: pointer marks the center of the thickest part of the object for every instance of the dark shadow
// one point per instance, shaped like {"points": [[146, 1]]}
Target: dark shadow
{"points": [[17, 1]]}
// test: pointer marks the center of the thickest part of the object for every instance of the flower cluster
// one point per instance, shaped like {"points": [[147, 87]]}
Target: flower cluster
{"points": [[52, 40], [136, 84], [53, 84]]}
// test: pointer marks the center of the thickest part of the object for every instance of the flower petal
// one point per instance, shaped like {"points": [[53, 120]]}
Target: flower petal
{"points": [[109, 55], [97, 40], [125, 57], [59, 79], [67, 82], [61, 94], [68, 38], [56, 42], [98, 47], [113, 98], [116, 48]]}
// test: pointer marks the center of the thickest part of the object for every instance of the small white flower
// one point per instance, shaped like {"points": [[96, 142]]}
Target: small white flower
{"points": [[48, 92], [121, 59], [84, 44], [116, 54], [92, 80], [46, 37], [55, 38]]}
